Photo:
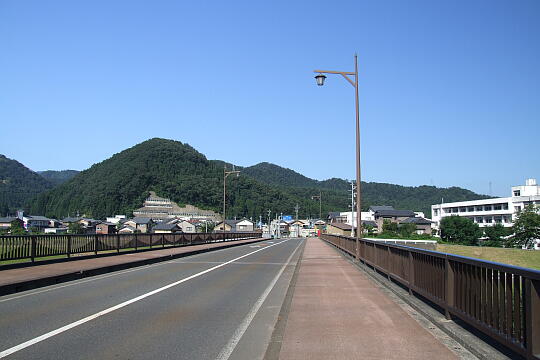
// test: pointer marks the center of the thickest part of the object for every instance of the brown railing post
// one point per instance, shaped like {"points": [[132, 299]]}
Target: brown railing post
{"points": [[95, 244], [117, 243], [449, 288], [33, 248], [69, 246], [150, 240], [411, 272], [163, 240], [532, 318]]}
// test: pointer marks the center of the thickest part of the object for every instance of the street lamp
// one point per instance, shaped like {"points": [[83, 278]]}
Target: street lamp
{"points": [[225, 175], [320, 81]]}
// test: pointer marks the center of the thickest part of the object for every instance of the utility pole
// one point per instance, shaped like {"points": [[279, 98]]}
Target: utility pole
{"points": [[225, 175], [314, 197], [353, 187], [296, 208]]}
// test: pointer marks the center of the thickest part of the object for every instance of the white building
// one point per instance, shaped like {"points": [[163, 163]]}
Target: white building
{"points": [[488, 212]]}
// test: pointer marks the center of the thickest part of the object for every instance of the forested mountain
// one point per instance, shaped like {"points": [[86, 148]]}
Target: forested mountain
{"points": [[58, 177], [171, 169], [18, 185], [418, 198], [177, 171]]}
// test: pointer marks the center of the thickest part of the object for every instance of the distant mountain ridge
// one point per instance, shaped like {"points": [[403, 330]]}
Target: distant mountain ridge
{"points": [[18, 185], [58, 177], [177, 171]]}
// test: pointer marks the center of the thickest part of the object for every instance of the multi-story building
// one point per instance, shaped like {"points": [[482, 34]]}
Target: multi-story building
{"points": [[160, 209], [487, 212]]}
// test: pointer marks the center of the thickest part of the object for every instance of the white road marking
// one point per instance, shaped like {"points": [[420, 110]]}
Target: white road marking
{"points": [[93, 278], [62, 329], [235, 339]]}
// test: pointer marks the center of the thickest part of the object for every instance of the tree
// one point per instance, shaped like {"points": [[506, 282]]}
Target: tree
{"points": [[16, 228], [526, 227], [75, 228], [406, 230], [390, 228], [460, 230], [370, 229], [495, 235]]}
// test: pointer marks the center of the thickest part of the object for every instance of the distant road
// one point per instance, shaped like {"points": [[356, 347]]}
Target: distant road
{"points": [[216, 305]]}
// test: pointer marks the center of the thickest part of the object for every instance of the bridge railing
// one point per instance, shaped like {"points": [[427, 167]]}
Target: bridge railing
{"points": [[502, 301], [39, 246]]}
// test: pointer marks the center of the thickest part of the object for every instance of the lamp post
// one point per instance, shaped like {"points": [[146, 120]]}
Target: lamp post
{"points": [[320, 77], [225, 175]]}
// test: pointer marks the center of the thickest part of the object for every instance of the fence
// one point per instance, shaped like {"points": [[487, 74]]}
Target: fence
{"points": [[35, 246], [502, 301]]}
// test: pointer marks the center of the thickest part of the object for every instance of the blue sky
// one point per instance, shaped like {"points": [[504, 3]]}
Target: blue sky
{"points": [[449, 90]]}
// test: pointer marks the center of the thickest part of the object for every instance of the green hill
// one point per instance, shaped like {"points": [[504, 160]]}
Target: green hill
{"points": [[18, 185], [58, 177], [177, 171], [171, 169]]}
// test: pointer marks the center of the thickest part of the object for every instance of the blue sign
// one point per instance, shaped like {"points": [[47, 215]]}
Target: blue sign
{"points": [[287, 217]]}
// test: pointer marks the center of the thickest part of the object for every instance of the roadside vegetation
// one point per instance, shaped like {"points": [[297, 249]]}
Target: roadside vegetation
{"points": [[516, 257]]}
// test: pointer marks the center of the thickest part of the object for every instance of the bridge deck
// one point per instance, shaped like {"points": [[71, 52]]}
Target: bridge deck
{"points": [[338, 313]]}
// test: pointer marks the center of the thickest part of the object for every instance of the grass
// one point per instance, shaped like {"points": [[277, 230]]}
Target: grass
{"points": [[517, 257]]}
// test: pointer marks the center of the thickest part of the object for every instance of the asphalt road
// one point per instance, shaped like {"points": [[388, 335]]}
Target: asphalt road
{"points": [[216, 305]]}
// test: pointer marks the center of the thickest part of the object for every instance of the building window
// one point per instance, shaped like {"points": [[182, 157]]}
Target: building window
{"points": [[470, 209], [498, 219], [479, 208], [517, 193], [436, 212], [479, 219], [489, 219], [463, 209], [487, 208], [497, 207], [505, 206], [517, 208]]}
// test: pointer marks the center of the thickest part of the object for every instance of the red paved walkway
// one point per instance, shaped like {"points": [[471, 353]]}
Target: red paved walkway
{"points": [[337, 313], [14, 276]]}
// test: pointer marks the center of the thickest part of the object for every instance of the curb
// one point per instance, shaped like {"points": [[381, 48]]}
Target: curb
{"points": [[57, 279]]}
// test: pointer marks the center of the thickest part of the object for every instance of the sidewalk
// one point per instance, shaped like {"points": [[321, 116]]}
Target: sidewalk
{"points": [[337, 313], [25, 278]]}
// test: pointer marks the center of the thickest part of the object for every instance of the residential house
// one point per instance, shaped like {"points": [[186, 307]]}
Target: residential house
{"points": [[127, 229], [140, 224], [187, 227], [423, 226], [396, 216], [243, 225], [337, 228], [5, 222], [35, 221], [105, 228], [166, 228]]}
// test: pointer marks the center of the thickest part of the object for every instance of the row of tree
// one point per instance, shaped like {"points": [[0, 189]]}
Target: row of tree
{"points": [[524, 232]]}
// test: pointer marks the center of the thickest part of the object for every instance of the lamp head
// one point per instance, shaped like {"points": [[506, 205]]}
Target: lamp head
{"points": [[320, 79]]}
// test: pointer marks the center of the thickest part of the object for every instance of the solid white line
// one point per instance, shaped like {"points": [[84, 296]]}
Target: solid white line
{"points": [[235, 339], [33, 341]]}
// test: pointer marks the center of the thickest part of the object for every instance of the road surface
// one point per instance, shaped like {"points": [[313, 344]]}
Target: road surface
{"points": [[216, 305]]}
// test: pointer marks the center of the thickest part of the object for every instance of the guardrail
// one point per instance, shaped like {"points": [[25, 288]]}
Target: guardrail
{"points": [[35, 246], [502, 301]]}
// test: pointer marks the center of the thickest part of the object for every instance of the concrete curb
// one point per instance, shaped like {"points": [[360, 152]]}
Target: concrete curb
{"points": [[57, 279]]}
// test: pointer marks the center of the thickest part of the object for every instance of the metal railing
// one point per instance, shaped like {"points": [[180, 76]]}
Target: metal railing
{"points": [[38, 246], [502, 301]]}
